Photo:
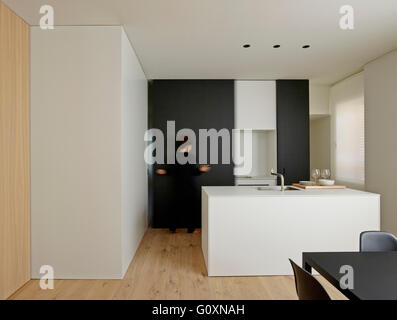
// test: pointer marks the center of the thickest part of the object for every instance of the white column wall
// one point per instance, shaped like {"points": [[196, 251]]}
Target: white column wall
{"points": [[134, 172], [380, 83], [77, 152]]}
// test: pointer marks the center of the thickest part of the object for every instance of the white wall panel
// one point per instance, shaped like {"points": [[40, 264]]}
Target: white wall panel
{"points": [[78, 157], [380, 83], [134, 173]]}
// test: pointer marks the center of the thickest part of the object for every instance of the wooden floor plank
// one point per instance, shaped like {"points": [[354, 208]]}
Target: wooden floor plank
{"points": [[170, 266]]}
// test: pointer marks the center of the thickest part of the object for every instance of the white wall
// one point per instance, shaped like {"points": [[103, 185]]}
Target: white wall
{"points": [[347, 131], [380, 135], [77, 165], [319, 100], [263, 154], [134, 174], [320, 132], [320, 148]]}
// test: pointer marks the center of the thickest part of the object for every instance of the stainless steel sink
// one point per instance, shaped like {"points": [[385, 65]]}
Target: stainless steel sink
{"points": [[278, 188]]}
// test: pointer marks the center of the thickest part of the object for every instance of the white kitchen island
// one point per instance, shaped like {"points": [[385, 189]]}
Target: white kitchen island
{"points": [[251, 232]]}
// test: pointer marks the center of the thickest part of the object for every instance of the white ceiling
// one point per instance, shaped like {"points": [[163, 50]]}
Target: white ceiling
{"points": [[203, 38]]}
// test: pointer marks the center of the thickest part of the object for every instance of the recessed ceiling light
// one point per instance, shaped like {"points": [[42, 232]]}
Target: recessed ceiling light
{"points": [[306, 46], [276, 46], [246, 45]]}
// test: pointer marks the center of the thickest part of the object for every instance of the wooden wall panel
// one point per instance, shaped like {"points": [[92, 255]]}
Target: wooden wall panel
{"points": [[14, 153]]}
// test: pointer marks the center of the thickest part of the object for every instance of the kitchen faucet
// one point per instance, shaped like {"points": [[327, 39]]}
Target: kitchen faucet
{"points": [[274, 173]]}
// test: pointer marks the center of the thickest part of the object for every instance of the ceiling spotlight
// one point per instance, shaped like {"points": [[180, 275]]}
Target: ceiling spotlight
{"points": [[246, 46], [306, 46], [276, 46]]}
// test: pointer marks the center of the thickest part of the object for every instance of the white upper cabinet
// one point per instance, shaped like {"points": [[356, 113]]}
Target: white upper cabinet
{"points": [[255, 105]]}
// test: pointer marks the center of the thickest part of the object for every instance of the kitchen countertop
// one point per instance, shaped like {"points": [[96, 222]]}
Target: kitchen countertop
{"points": [[248, 191]]}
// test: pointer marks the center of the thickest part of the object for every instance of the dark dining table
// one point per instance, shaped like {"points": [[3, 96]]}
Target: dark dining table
{"points": [[374, 273]]}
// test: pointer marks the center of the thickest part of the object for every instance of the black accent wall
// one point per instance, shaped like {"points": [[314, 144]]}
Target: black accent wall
{"points": [[293, 130], [194, 104]]}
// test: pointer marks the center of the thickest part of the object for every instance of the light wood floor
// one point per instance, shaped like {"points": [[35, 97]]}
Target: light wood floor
{"points": [[170, 266]]}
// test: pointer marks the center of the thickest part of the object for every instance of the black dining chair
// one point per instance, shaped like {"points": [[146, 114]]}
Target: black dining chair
{"points": [[307, 287], [377, 241]]}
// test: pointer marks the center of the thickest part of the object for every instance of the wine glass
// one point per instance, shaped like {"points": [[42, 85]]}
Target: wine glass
{"points": [[315, 174], [325, 173]]}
